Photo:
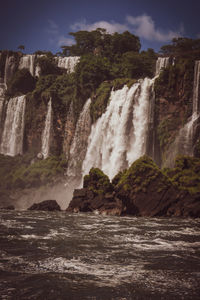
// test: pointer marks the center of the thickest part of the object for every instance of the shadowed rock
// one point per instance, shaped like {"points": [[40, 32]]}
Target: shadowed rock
{"points": [[47, 205]]}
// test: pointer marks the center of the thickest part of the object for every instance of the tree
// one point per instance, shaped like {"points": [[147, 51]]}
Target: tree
{"points": [[101, 42], [21, 47]]}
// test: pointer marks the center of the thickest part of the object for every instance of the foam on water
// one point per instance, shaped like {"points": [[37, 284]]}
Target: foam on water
{"points": [[92, 253]]}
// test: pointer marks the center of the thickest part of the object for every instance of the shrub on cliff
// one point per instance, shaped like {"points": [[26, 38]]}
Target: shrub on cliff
{"points": [[48, 65], [186, 173], [97, 182], [100, 100]]}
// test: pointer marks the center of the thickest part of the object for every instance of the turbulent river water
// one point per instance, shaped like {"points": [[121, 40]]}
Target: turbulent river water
{"points": [[85, 256]]}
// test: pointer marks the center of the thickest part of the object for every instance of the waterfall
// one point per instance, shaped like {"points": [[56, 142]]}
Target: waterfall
{"points": [[67, 63], [46, 134], [2, 98], [10, 67], [27, 62], [184, 141], [119, 136], [80, 141], [196, 86], [162, 62], [13, 132]]}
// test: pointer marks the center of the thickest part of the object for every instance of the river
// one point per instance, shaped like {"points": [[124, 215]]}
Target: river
{"points": [[57, 255]]}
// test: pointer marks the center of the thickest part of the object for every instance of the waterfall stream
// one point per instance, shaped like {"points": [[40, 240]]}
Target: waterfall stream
{"points": [[67, 63], [161, 63], [13, 132], [46, 134], [27, 62], [80, 142], [119, 136]]}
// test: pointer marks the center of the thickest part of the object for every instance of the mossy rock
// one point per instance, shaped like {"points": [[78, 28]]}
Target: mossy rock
{"points": [[140, 174], [97, 182], [186, 174]]}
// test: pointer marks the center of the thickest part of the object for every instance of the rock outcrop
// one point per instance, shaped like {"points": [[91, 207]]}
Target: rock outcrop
{"points": [[47, 205], [97, 195], [141, 190]]}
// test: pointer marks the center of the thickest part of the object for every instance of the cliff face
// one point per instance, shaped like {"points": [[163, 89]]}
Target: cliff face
{"points": [[175, 98]]}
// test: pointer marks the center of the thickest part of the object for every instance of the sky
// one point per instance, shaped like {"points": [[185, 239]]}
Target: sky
{"points": [[45, 24]]}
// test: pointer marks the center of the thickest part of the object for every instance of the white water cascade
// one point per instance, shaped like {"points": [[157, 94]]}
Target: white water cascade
{"points": [[13, 132], [67, 63], [27, 62], [80, 142], [161, 63], [46, 134], [119, 136]]}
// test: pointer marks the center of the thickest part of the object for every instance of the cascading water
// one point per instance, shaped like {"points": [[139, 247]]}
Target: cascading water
{"points": [[68, 63], [183, 143], [27, 62], [46, 134], [161, 63], [196, 87], [119, 137], [80, 141], [13, 132], [2, 98], [10, 67]]}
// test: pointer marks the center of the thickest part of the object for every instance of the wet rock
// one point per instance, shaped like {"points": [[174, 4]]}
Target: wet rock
{"points": [[9, 207], [47, 205]]}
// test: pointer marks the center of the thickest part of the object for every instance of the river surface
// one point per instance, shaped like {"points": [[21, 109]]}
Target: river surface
{"points": [[45, 255]]}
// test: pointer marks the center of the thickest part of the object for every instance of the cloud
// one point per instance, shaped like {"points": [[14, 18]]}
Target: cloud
{"points": [[111, 27], [63, 41], [143, 26], [55, 37]]}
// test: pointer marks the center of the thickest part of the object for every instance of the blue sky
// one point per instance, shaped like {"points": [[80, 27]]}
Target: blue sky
{"points": [[45, 24]]}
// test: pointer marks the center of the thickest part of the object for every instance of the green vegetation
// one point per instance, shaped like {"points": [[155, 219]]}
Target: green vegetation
{"points": [[48, 65], [23, 172], [140, 174], [99, 42], [182, 47], [186, 174], [100, 100], [174, 87], [178, 77], [97, 182], [166, 131]]}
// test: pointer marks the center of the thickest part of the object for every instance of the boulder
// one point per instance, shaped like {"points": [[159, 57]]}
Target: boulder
{"points": [[144, 189], [9, 207], [47, 205]]}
